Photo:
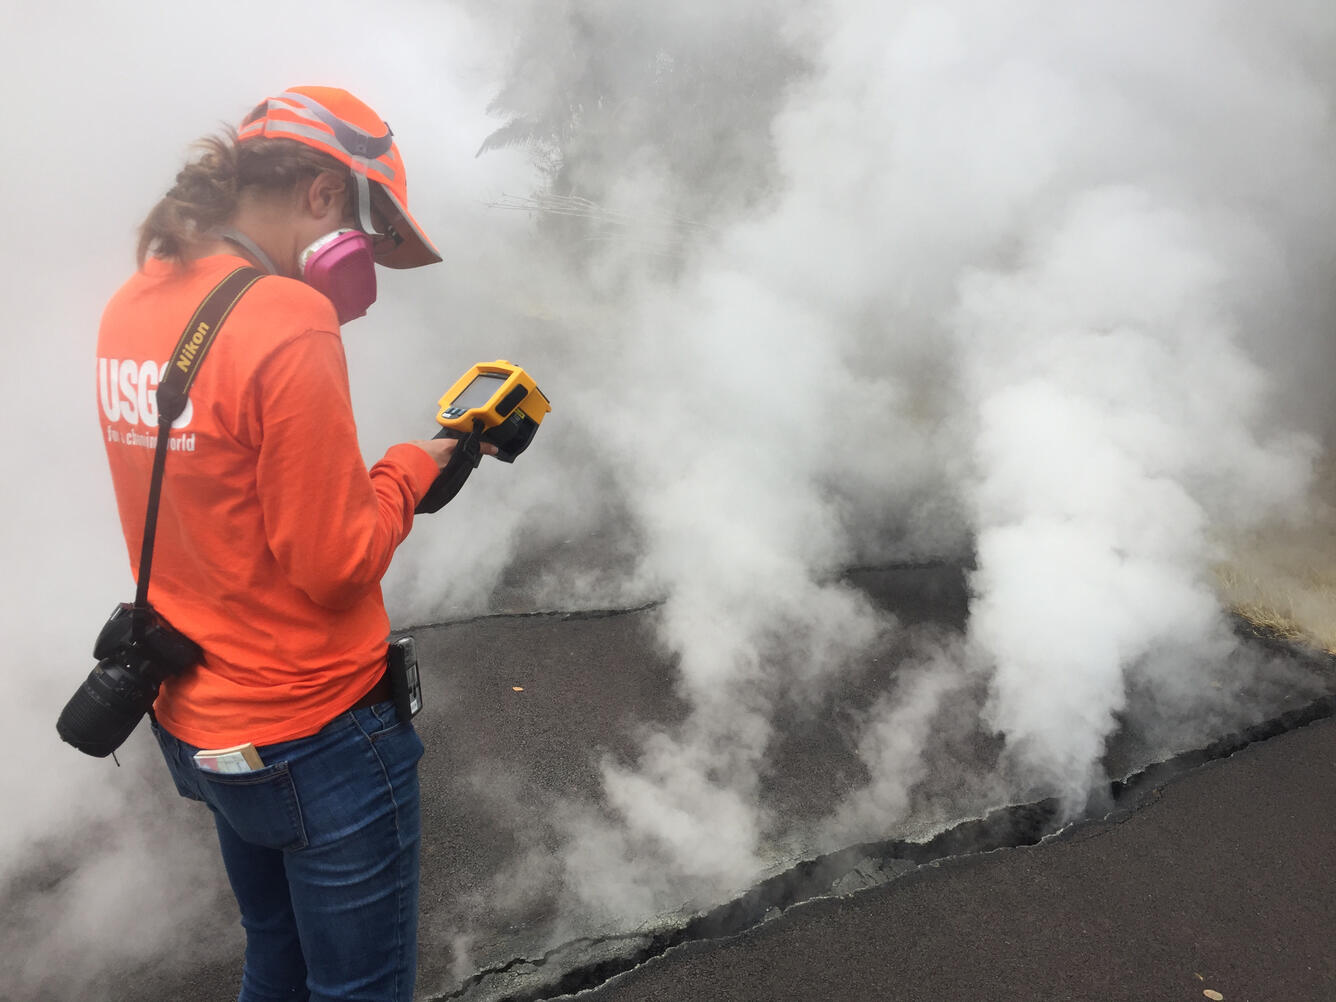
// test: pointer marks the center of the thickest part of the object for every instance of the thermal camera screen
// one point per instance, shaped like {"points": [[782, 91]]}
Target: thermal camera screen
{"points": [[478, 392]]}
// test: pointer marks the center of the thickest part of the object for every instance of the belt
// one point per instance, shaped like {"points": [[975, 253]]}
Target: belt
{"points": [[381, 692]]}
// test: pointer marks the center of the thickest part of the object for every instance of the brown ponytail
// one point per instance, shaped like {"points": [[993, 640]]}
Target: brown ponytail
{"points": [[208, 189]]}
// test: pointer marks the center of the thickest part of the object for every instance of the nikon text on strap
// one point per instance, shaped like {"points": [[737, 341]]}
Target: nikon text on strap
{"points": [[174, 388]]}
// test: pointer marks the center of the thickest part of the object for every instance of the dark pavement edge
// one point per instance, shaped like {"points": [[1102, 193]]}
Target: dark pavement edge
{"points": [[1221, 879]]}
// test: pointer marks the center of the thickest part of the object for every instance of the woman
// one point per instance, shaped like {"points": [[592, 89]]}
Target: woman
{"points": [[273, 537]]}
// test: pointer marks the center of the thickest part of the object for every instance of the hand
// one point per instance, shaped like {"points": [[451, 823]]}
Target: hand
{"points": [[441, 449]]}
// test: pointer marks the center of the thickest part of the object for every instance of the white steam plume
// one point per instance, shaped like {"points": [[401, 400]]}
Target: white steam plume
{"points": [[1033, 277], [1117, 424]]}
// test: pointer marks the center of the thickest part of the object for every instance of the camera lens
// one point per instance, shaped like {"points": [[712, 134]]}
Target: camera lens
{"points": [[106, 707]]}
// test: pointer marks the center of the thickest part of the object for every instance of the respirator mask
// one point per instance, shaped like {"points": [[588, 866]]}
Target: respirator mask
{"points": [[341, 265]]}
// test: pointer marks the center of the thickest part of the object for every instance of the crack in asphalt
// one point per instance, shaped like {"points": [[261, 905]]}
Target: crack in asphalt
{"points": [[584, 964], [560, 614], [844, 575]]}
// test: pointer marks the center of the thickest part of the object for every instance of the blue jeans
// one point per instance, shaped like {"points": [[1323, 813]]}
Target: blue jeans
{"points": [[321, 848]]}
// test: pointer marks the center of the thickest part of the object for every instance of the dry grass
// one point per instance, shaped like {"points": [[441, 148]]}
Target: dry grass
{"points": [[1283, 577]]}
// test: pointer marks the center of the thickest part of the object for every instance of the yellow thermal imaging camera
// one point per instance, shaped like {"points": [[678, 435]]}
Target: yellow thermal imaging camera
{"points": [[494, 402]]}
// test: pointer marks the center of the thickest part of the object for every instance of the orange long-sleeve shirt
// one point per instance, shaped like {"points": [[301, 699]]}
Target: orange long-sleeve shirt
{"points": [[272, 535]]}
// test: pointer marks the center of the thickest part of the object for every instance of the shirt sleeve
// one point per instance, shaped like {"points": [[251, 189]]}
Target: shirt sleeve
{"points": [[332, 524]]}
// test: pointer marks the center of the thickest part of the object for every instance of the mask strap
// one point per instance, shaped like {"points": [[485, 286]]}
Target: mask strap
{"points": [[250, 246], [364, 204]]}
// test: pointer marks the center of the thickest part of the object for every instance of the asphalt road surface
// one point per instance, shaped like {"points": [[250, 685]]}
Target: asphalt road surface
{"points": [[1223, 882]]}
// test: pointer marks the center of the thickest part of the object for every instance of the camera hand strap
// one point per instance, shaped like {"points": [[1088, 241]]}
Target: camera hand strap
{"points": [[174, 388]]}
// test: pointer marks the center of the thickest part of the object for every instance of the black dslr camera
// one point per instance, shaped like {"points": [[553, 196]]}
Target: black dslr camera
{"points": [[135, 651]]}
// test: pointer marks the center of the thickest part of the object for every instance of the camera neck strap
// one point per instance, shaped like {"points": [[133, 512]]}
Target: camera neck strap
{"points": [[174, 389]]}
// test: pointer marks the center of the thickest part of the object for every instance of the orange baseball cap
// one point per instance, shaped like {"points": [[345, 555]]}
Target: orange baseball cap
{"points": [[331, 120]]}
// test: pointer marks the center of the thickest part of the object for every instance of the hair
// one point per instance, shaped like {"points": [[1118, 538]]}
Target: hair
{"points": [[208, 188]]}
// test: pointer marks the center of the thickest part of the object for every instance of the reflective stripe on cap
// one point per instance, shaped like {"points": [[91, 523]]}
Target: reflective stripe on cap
{"points": [[335, 122]]}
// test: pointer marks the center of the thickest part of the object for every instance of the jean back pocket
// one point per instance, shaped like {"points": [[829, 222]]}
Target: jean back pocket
{"points": [[261, 806]]}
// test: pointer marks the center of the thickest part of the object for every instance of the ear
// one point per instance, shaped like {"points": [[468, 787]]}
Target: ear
{"points": [[327, 197]]}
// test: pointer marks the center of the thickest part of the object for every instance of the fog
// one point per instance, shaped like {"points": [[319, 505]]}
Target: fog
{"points": [[1047, 287], [104, 103]]}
